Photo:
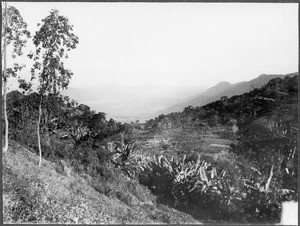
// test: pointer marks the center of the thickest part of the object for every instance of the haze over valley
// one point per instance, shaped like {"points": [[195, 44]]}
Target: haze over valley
{"points": [[131, 103]]}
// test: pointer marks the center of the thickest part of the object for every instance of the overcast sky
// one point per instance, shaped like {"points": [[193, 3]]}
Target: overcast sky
{"points": [[175, 44]]}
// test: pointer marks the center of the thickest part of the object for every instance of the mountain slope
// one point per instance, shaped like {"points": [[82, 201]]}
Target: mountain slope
{"points": [[51, 194], [220, 87], [279, 97], [224, 89]]}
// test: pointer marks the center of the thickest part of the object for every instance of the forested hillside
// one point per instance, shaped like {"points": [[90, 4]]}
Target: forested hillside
{"points": [[224, 89], [271, 99]]}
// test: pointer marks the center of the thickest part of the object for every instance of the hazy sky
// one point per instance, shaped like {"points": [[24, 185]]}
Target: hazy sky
{"points": [[175, 44]]}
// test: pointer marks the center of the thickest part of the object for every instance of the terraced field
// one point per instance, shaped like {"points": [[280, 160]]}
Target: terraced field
{"points": [[178, 142]]}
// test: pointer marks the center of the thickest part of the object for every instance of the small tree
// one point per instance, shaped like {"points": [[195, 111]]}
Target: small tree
{"points": [[53, 40], [14, 33]]}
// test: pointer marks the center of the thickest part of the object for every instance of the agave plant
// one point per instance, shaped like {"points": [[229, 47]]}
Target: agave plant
{"points": [[121, 151], [198, 183]]}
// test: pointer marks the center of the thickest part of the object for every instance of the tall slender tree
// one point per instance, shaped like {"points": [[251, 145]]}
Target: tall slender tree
{"points": [[53, 40], [14, 33]]}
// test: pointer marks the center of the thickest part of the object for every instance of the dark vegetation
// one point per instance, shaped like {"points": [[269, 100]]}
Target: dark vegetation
{"points": [[260, 170], [74, 139], [246, 183]]}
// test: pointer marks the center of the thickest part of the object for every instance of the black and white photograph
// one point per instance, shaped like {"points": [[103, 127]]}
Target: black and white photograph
{"points": [[149, 112]]}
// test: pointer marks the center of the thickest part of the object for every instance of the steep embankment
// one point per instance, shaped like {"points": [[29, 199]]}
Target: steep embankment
{"points": [[54, 193]]}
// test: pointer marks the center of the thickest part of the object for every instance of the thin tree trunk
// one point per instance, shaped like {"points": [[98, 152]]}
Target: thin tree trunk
{"points": [[38, 131], [5, 84], [5, 116]]}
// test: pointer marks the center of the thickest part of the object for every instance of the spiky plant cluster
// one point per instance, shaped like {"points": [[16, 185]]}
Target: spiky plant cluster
{"points": [[123, 156], [198, 184], [184, 179]]}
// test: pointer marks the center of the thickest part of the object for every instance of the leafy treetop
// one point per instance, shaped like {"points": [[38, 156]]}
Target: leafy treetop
{"points": [[16, 36], [53, 40]]}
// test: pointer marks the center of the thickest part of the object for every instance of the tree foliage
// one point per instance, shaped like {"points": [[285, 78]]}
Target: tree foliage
{"points": [[14, 33], [17, 36], [53, 40]]}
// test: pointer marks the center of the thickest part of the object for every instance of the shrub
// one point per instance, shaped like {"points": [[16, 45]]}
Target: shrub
{"points": [[226, 191], [268, 142]]}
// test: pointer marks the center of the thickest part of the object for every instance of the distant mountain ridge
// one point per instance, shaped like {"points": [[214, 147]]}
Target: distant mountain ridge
{"points": [[221, 86], [224, 89]]}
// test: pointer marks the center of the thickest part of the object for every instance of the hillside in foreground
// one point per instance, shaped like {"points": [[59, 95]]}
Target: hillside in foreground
{"points": [[56, 194]]}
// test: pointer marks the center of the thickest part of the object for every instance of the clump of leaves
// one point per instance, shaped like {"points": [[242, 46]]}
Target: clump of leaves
{"points": [[199, 186]]}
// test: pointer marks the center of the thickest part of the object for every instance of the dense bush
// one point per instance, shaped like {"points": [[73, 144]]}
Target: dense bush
{"points": [[228, 192], [268, 142]]}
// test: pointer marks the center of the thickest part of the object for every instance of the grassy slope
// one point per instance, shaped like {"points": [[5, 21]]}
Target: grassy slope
{"points": [[50, 195]]}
